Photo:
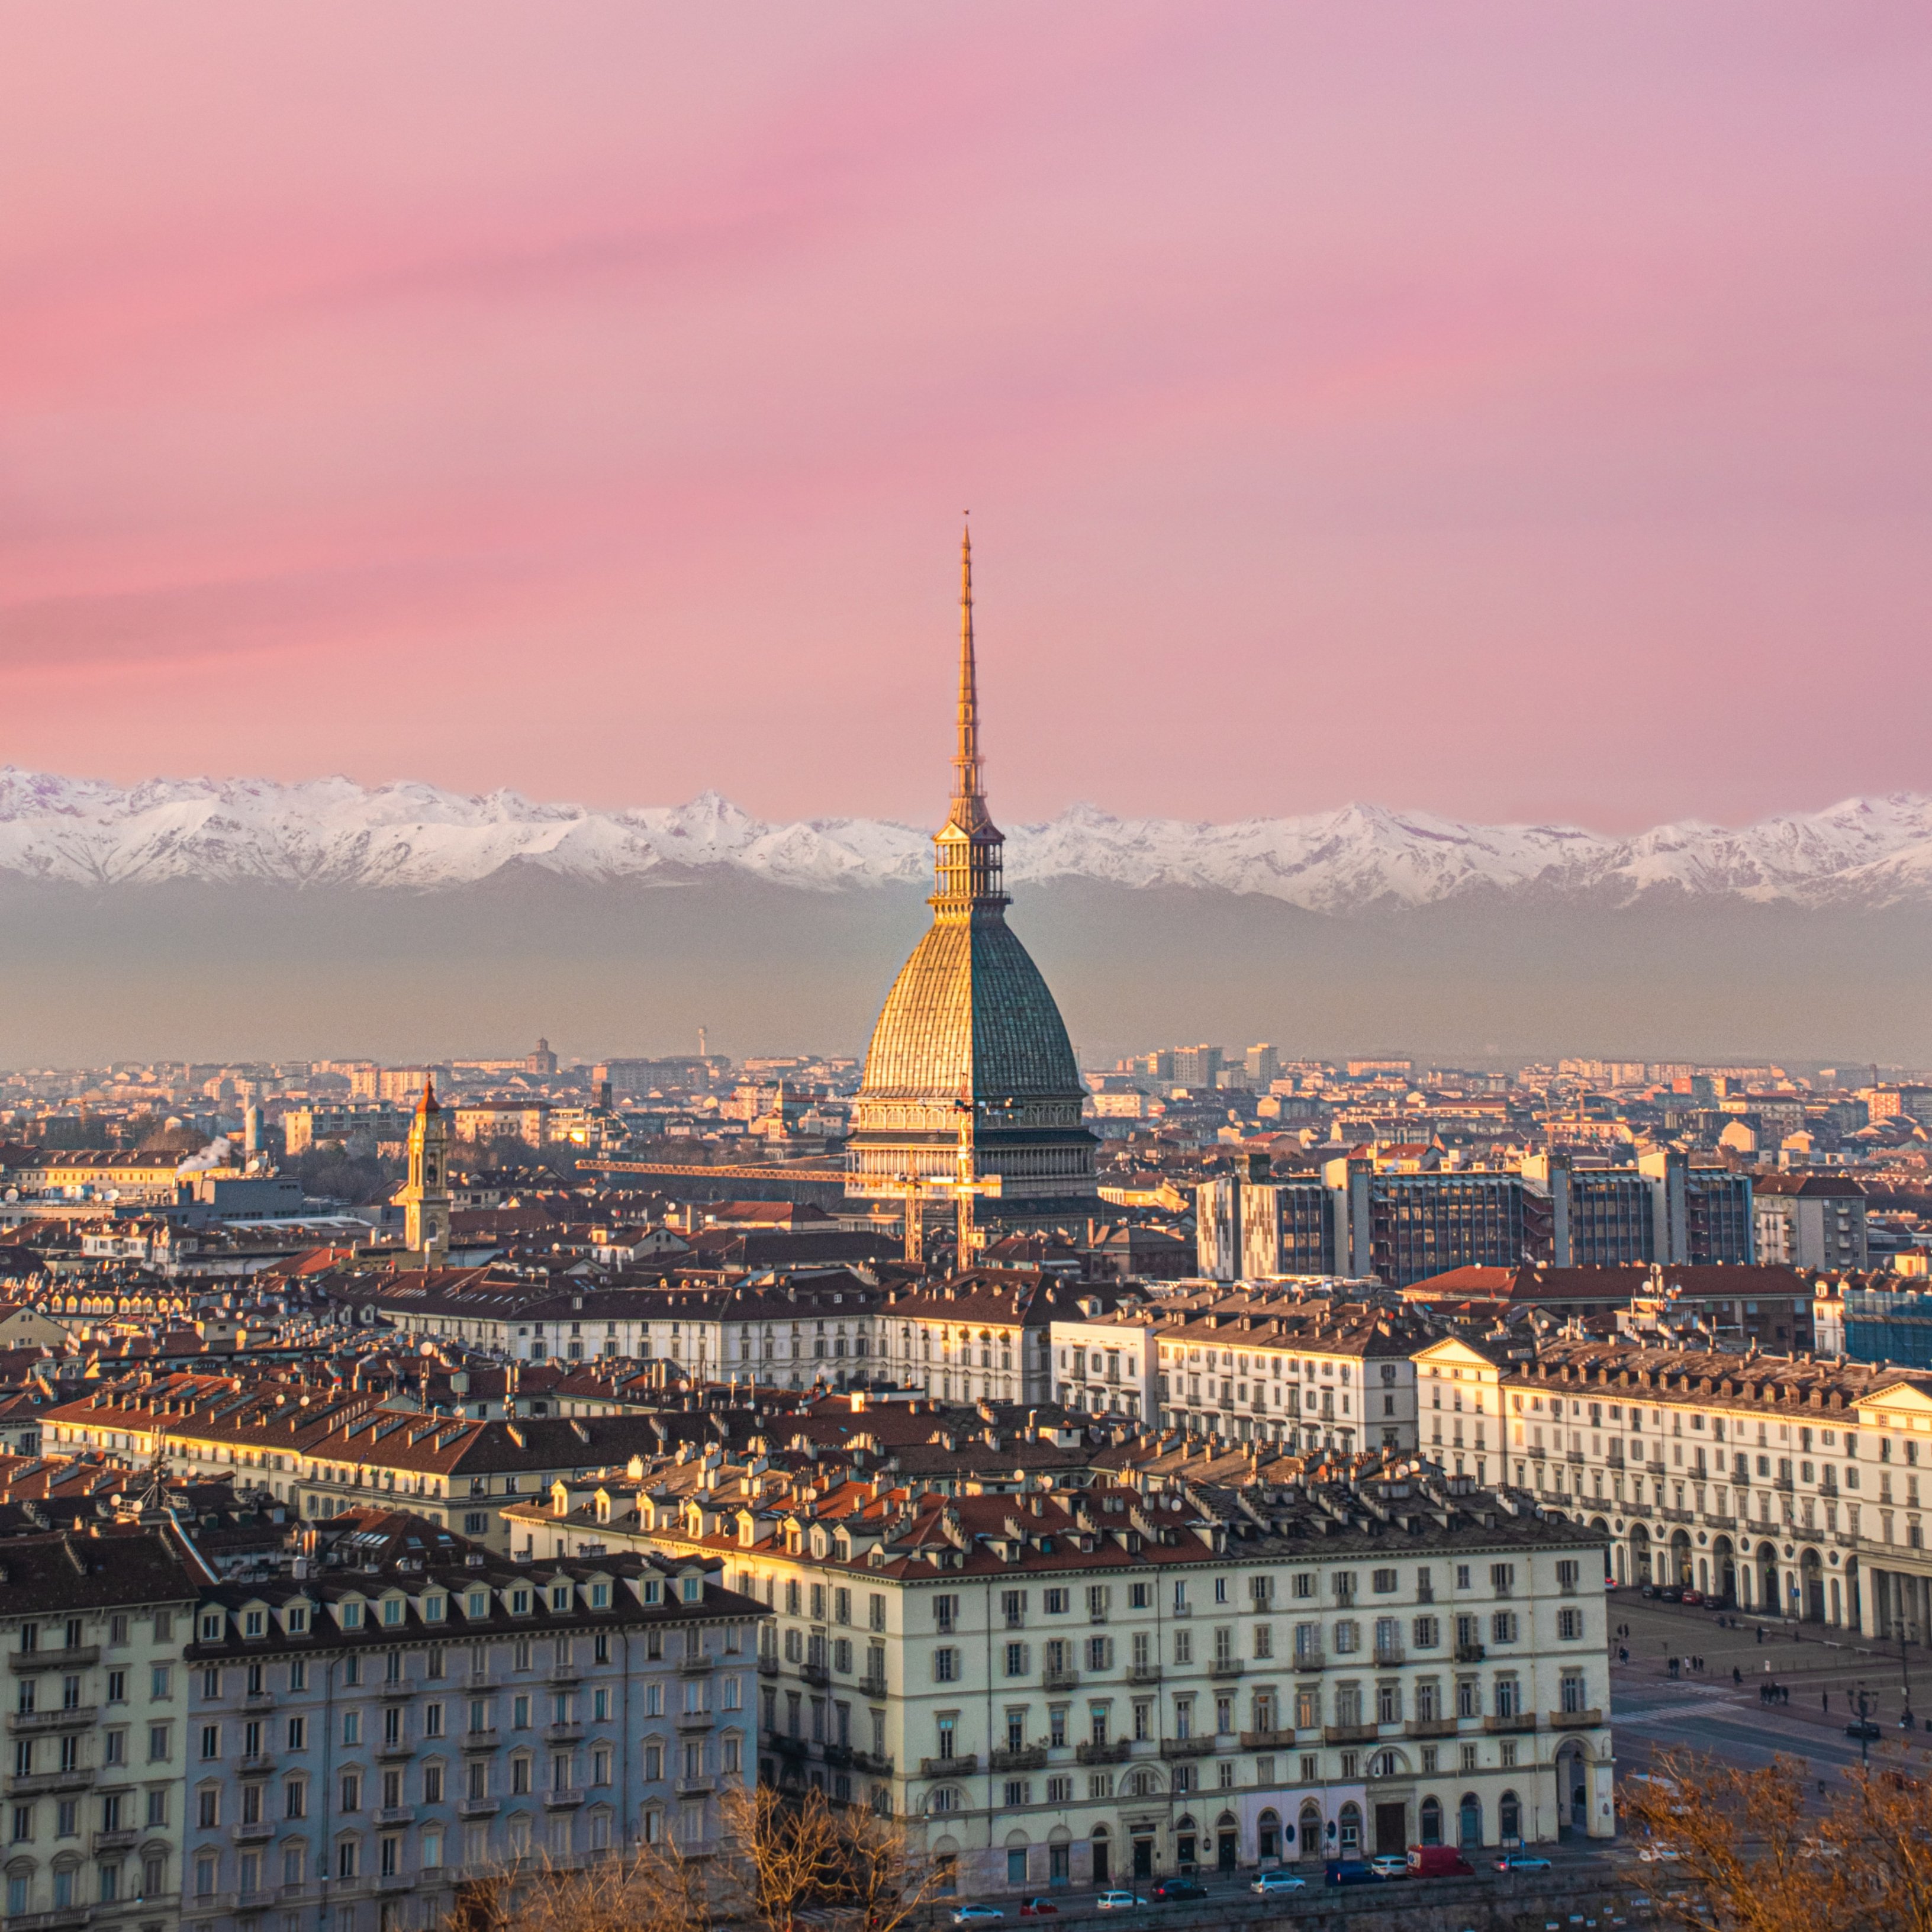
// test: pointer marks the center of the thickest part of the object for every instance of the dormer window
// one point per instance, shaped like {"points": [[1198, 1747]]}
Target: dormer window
{"points": [[392, 1611], [694, 1589], [479, 1604], [600, 1596], [434, 1609], [653, 1591], [253, 1623], [520, 1603], [351, 1616], [294, 1619], [559, 1596], [212, 1622]]}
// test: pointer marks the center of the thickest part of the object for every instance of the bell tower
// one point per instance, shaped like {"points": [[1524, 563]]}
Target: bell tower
{"points": [[425, 1196]]}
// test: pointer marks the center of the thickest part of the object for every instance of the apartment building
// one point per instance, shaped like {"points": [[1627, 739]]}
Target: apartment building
{"points": [[1157, 1675], [811, 1326], [986, 1337], [93, 1627], [1810, 1220], [1785, 1485], [322, 1452], [364, 1738]]}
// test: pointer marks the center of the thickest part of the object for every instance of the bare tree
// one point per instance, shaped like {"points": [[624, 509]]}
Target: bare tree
{"points": [[649, 1889], [1747, 1859], [782, 1851], [884, 1872]]}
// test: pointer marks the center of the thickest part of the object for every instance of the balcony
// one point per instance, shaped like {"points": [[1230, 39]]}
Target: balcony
{"points": [[768, 1665], [1310, 1660], [393, 1814], [787, 1747], [1267, 1740], [395, 1748], [30, 1722], [1117, 1752], [1575, 1720], [77, 1779], [76, 1657], [1028, 1757], [1225, 1667], [562, 1797], [816, 1673], [563, 1734], [696, 1664], [1059, 1680], [1469, 1653], [1144, 1673], [259, 1700], [1172, 1747], [873, 1761], [255, 1834], [949, 1767], [106, 1843], [564, 1673], [695, 1720], [872, 1687], [1349, 1734], [696, 1786], [480, 1741], [1523, 1721], [1389, 1655], [1430, 1727]]}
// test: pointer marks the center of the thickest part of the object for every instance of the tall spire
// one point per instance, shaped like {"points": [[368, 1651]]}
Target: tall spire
{"points": [[969, 784], [968, 849]]}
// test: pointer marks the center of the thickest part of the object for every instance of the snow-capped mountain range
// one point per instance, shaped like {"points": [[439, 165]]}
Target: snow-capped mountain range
{"points": [[1865, 852]]}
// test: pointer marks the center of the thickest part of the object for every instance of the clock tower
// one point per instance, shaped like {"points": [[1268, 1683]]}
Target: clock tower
{"points": [[425, 1196]]}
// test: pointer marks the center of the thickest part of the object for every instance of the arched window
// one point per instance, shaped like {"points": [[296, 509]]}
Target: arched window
{"points": [[1311, 1830], [1268, 1835], [1352, 1829], [1509, 1816], [1469, 1820], [1432, 1821], [1383, 1764]]}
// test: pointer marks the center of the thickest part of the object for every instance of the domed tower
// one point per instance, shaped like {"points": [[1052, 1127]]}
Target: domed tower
{"points": [[425, 1195], [970, 1073]]}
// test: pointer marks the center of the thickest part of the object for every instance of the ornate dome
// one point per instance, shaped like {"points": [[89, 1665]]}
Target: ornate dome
{"points": [[970, 1068], [969, 1014]]}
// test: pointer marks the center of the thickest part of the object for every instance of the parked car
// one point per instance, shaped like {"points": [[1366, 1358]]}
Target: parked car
{"points": [[1610, 1583], [1863, 1727], [977, 1915], [1692, 1597], [1172, 1891], [1389, 1864], [1038, 1908], [1521, 1862], [1438, 1861], [1350, 1871], [1648, 1590], [1118, 1901], [1657, 1854], [1271, 1882]]}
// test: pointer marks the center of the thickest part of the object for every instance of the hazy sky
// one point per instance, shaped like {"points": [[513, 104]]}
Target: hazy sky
{"points": [[1519, 410]]}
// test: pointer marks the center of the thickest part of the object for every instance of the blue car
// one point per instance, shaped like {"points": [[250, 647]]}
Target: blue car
{"points": [[1349, 1871]]}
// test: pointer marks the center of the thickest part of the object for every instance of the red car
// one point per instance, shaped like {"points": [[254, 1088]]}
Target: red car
{"points": [[1038, 1908], [1693, 1597]]}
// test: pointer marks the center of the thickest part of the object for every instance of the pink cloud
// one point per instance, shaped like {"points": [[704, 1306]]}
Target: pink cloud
{"points": [[1511, 412]]}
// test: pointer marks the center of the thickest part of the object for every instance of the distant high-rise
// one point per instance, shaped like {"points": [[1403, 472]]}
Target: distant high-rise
{"points": [[970, 1036]]}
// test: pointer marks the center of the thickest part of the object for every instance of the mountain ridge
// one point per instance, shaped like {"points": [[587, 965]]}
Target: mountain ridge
{"points": [[1861, 854]]}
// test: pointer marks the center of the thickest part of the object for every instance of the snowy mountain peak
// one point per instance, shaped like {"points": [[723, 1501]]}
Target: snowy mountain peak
{"points": [[1864, 852]]}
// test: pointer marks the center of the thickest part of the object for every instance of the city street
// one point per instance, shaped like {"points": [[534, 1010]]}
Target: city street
{"points": [[1704, 1710]]}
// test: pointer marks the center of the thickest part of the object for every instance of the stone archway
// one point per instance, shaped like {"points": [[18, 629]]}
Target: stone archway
{"points": [[1811, 1587], [1770, 1598], [1573, 1788], [1681, 1574], [1640, 1553], [1724, 1571]]}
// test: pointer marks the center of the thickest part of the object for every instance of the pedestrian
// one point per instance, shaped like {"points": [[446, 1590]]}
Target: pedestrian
{"points": [[1759, 1632], [1825, 1700], [1737, 1677]]}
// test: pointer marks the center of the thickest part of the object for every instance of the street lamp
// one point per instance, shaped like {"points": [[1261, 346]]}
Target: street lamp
{"points": [[1864, 1731]]}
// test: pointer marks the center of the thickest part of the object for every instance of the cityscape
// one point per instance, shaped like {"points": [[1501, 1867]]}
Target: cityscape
{"points": [[1235, 1220]]}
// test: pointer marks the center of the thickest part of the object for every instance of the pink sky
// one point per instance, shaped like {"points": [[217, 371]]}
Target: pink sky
{"points": [[1520, 411]]}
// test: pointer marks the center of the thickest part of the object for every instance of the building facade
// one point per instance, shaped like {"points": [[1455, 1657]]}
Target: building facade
{"points": [[1149, 1679]]}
